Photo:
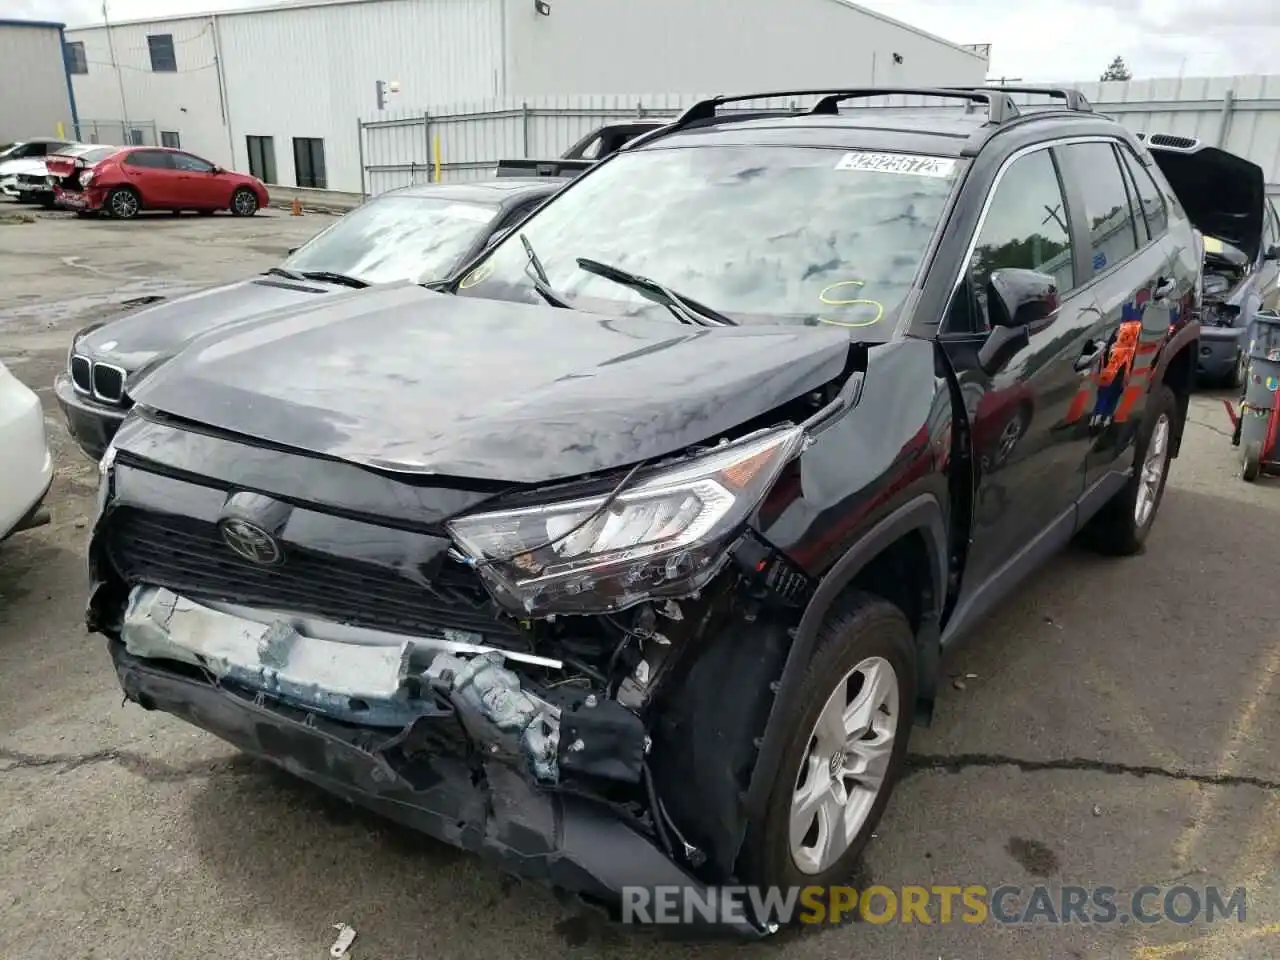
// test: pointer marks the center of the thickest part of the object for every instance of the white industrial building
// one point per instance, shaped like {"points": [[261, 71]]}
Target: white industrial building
{"points": [[35, 95], [281, 90]]}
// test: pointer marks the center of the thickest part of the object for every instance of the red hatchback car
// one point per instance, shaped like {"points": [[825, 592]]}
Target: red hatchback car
{"points": [[132, 179]]}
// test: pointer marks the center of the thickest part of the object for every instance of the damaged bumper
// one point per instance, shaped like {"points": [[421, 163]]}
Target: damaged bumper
{"points": [[463, 755]]}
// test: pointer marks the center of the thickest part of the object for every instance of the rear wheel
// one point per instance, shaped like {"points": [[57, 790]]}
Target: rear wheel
{"points": [[845, 749], [244, 203], [123, 203], [1251, 464], [1120, 528]]}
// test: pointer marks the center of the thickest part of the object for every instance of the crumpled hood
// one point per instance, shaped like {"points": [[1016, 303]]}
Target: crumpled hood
{"points": [[146, 337], [405, 379], [10, 168], [1223, 194]]}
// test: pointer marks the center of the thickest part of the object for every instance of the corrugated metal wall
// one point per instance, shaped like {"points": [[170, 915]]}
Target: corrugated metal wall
{"points": [[620, 46], [312, 71], [1241, 114], [33, 83], [120, 85]]}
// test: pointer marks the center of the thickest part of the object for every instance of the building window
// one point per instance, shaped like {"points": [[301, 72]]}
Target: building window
{"points": [[162, 56], [136, 138], [76, 61], [169, 138], [308, 162], [262, 158]]}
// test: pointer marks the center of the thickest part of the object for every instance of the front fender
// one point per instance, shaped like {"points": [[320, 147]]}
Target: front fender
{"points": [[873, 477]]}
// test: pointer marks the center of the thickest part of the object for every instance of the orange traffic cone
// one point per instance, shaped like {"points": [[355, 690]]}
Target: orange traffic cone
{"points": [[296, 210]]}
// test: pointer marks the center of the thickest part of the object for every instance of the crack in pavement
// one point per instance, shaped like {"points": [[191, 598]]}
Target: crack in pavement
{"points": [[919, 763], [157, 771], [150, 769]]}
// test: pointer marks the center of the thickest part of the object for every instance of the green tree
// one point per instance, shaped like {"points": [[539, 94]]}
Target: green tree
{"points": [[1119, 70]]}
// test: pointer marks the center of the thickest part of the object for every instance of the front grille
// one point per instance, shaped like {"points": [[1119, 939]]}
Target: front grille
{"points": [[30, 179], [189, 557], [82, 374], [108, 382]]}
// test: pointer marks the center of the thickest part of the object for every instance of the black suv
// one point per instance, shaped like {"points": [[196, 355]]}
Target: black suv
{"points": [[628, 557]]}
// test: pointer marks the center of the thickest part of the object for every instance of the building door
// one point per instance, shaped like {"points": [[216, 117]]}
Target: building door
{"points": [[262, 158], [308, 162]]}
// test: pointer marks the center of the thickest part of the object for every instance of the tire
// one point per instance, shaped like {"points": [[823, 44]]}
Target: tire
{"points": [[867, 633], [1235, 379], [1117, 529], [123, 203], [1251, 462], [244, 203]]}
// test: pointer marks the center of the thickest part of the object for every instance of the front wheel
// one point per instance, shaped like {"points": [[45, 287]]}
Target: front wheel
{"points": [[1120, 528], [244, 203], [845, 749], [123, 203]]}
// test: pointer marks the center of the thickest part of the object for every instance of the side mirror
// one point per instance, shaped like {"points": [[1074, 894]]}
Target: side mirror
{"points": [[1001, 345], [216, 170], [1019, 303], [1022, 298]]}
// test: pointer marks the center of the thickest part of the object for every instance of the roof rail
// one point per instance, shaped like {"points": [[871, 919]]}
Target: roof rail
{"points": [[1074, 99], [1000, 106]]}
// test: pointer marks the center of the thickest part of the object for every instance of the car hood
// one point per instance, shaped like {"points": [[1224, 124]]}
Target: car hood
{"points": [[140, 340], [403, 379], [9, 168], [1223, 194]]}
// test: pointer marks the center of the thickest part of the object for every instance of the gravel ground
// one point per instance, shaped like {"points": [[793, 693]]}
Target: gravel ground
{"points": [[1110, 727]]}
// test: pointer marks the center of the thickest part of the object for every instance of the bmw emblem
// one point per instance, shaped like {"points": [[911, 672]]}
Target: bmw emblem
{"points": [[250, 542]]}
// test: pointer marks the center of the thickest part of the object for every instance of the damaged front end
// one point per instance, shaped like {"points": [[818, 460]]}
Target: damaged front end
{"points": [[537, 682]]}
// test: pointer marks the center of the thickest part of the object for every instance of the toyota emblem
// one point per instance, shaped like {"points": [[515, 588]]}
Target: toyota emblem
{"points": [[251, 542]]}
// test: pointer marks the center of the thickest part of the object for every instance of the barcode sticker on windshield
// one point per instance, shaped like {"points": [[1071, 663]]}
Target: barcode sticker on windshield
{"points": [[909, 164]]}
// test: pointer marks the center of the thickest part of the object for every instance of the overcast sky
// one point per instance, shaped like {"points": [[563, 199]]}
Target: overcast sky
{"points": [[1031, 39]]}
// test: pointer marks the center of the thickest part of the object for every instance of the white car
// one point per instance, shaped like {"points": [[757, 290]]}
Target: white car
{"points": [[30, 173], [28, 465]]}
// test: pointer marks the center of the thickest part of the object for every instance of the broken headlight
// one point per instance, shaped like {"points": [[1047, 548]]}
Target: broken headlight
{"points": [[663, 536]]}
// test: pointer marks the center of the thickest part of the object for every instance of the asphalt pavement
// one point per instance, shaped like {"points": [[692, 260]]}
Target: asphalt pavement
{"points": [[1111, 726]]}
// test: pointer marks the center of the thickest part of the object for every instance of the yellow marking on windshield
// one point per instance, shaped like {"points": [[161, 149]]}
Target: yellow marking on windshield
{"points": [[825, 297]]}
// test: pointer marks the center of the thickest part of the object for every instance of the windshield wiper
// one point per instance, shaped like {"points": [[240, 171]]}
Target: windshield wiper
{"points": [[282, 272], [540, 281], [684, 309], [327, 276]]}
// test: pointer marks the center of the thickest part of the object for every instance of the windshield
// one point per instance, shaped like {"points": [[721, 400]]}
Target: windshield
{"points": [[762, 234], [396, 238]]}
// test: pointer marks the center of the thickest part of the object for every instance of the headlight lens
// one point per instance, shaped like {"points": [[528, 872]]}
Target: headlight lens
{"points": [[86, 178], [663, 536]]}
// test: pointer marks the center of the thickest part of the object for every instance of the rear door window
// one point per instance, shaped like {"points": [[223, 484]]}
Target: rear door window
{"points": [[1150, 200], [1095, 169], [150, 159]]}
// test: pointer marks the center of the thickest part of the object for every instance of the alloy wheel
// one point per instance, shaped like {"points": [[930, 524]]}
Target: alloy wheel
{"points": [[245, 203], [124, 204], [1152, 472], [845, 765]]}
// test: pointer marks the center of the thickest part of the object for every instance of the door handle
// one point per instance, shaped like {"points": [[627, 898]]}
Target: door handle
{"points": [[1090, 354]]}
